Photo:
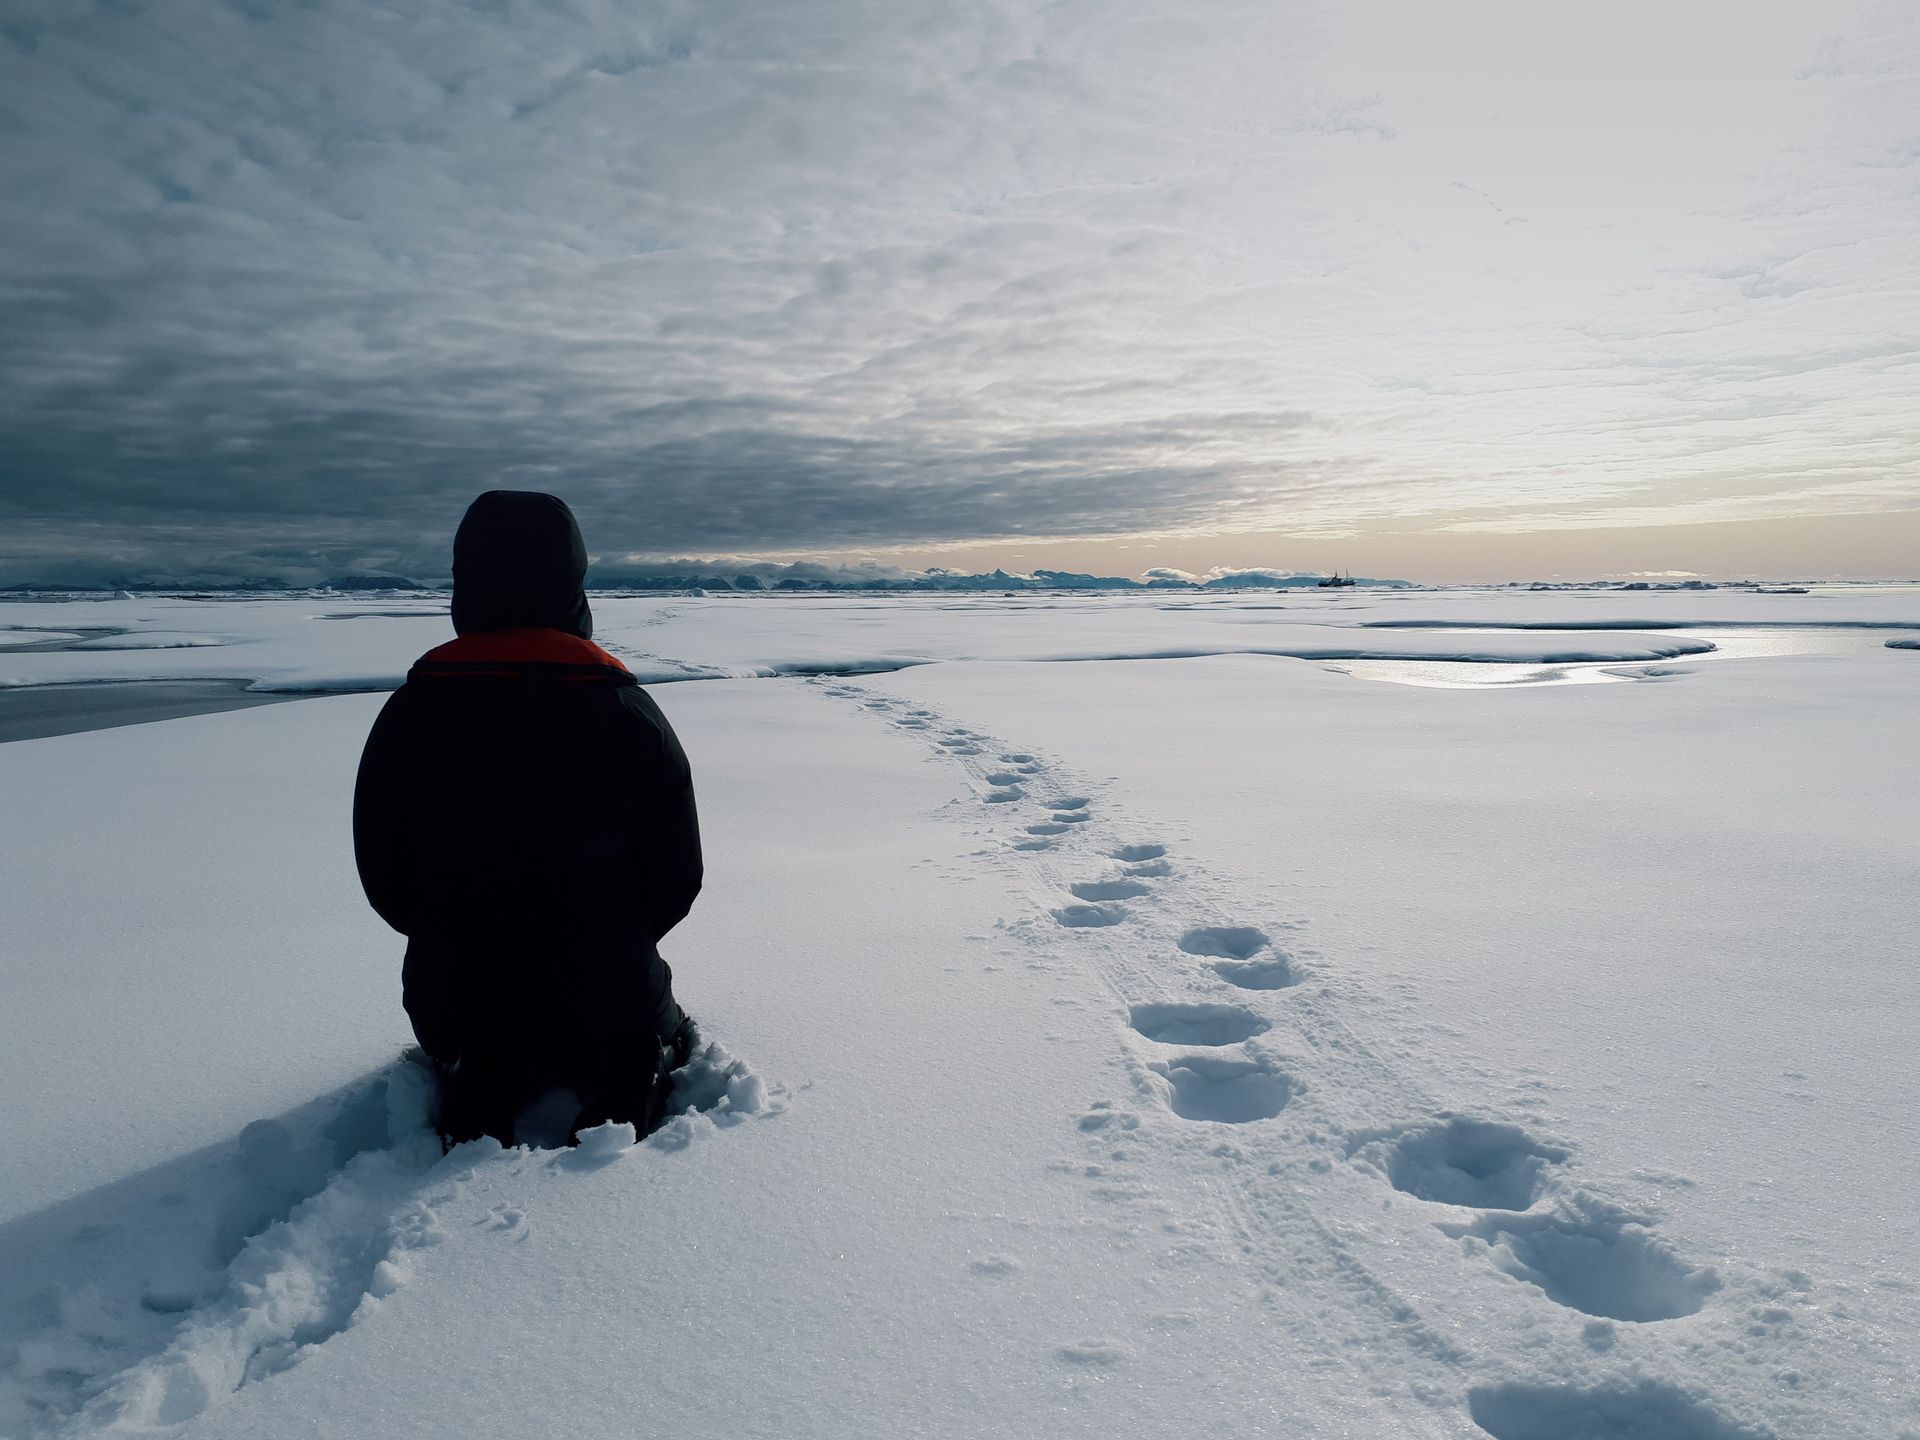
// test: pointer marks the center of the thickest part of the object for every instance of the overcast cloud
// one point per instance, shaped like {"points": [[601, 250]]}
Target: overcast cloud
{"points": [[283, 284]]}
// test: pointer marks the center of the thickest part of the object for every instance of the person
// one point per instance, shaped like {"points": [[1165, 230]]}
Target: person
{"points": [[524, 815]]}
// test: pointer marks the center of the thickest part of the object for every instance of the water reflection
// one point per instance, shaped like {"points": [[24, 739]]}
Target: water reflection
{"points": [[1729, 642]]}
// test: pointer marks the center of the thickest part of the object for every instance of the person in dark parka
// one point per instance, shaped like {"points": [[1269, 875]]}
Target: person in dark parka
{"points": [[524, 815]]}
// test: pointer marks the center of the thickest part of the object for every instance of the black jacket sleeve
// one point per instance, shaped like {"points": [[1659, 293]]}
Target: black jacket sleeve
{"points": [[380, 847], [671, 867]]}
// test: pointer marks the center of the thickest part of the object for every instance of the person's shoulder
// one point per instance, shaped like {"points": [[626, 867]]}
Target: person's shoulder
{"points": [[634, 699], [399, 700], [653, 729]]}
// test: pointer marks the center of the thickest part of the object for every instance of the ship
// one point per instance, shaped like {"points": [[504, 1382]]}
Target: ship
{"points": [[1336, 582]]}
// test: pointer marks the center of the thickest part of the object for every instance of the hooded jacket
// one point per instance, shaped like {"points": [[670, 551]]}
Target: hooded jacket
{"points": [[524, 814]]}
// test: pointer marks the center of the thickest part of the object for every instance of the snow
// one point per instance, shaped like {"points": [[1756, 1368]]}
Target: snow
{"points": [[1219, 1044], [12, 637], [149, 640]]}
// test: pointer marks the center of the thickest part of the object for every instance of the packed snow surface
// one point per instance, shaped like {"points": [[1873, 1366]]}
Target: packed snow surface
{"points": [[1217, 1044]]}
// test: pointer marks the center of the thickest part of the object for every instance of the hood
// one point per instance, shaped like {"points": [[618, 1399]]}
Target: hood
{"points": [[519, 562]]}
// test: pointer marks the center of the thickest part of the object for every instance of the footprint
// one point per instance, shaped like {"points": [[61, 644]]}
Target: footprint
{"points": [[1150, 868], [503, 1217], [1071, 817], [1593, 1258], [1006, 796], [1273, 972], [1179, 1024], [1649, 1410], [1229, 942], [1649, 672], [1108, 889], [1002, 777], [1047, 827], [1227, 1092], [1235, 946], [1134, 854], [1093, 1352], [1072, 802], [1033, 844], [1016, 759], [994, 1265], [909, 723], [1479, 1163], [1089, 917]]}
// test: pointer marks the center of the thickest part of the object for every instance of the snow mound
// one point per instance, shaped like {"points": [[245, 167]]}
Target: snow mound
{"points": [[711, 1091], [141, 1307], [138, 1305]]}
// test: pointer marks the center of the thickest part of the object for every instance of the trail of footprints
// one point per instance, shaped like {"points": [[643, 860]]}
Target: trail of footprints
{"points": [[1485, 1179]]}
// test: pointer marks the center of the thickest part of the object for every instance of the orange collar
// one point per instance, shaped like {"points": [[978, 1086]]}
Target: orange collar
{"points": [[520, 653]]}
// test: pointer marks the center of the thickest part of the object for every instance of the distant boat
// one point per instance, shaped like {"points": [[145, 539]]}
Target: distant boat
{"points": [[1336, 582]]}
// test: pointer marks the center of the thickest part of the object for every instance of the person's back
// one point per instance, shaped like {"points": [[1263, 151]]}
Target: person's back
{"points": [[524, 814]]}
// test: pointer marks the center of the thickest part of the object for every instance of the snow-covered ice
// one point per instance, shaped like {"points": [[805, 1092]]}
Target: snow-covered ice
{"points": [[309, 643], [1220, 1044]]}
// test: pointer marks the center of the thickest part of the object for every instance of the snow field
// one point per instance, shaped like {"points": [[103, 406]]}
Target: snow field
{"points": [[1211, 1043], [1773, 1351], [1202, 1063]]}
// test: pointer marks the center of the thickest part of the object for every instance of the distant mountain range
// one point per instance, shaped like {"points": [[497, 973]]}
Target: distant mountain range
{"points": [[760, 578], [1001, 580]]}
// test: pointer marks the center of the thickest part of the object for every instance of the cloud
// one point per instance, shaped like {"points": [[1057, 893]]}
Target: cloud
{"points": [[283, 285], [771, 573], [1262, 572]]}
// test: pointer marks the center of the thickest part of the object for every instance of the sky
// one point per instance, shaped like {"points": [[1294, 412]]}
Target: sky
{"points": [[1474, 291]]}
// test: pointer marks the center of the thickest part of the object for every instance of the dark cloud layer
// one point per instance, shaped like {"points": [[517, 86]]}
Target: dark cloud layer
{"points": [[283, 284]]}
